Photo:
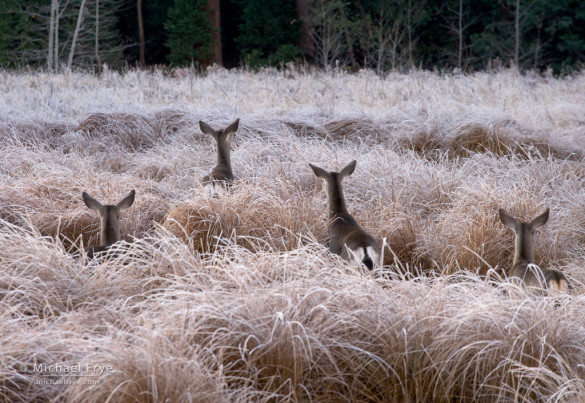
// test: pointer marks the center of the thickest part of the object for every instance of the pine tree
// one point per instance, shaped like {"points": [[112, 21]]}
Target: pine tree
{"points": [[269, 32], [190, 33]]}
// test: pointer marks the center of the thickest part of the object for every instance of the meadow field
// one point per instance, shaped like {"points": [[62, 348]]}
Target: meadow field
{"points": [[236, 298]]}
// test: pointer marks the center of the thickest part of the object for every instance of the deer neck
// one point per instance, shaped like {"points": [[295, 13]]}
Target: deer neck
{"points": [[110, 231], [223, 155], [336, 200], [524, 252]]}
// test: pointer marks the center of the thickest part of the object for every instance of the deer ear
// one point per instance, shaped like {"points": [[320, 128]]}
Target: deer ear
{"points": [[92, 203], [348, 169], [540, 220], [320, 172], [127, 201], [205, 128], [508, 220], [232, 127]]}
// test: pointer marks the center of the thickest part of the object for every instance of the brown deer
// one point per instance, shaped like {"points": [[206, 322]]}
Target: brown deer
{"points": [[222, 175], [346, 237], [523, 266], [110, 221]]}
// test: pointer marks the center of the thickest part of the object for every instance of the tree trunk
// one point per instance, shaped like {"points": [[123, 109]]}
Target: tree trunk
{"points": [[215, 7], [142, 56], [517, 30], [409, 28], [98, 59], [460, 53], [348, 40], [56, 43], [75, 34], [51, 35], [306, 43]]}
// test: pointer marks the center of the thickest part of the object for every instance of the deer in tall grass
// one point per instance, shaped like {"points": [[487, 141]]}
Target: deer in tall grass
{"points": [[346, 237], [523, 266], [222, 175], [110, 221]]}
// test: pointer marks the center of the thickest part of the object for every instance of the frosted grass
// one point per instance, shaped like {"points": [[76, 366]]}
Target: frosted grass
{"points": [[236, 298]]}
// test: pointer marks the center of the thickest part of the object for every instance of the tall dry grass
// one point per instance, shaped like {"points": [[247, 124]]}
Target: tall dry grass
{"points": [[235, 297]]}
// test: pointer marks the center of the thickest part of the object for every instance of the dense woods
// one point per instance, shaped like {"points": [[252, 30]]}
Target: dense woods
{"points": [[382, 35]]}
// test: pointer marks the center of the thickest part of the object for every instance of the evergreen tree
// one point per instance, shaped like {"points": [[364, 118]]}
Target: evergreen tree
{"points": [[190, 33], [22, 35], [563, 32], [269, 33], [156, 36]]}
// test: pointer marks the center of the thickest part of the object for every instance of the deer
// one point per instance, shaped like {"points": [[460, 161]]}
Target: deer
{"points": [[345, 236], [523, 266], [110, 221], [222, 175]]}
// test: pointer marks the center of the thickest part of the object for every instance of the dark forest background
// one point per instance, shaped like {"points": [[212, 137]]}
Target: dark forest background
{"points": [[382, 35]]}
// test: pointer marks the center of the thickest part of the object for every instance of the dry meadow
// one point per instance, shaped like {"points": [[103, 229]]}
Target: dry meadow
{"points": [[235, 298]]}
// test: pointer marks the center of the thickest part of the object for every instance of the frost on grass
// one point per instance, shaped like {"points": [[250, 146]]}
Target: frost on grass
{"points": [[236, 297]]}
